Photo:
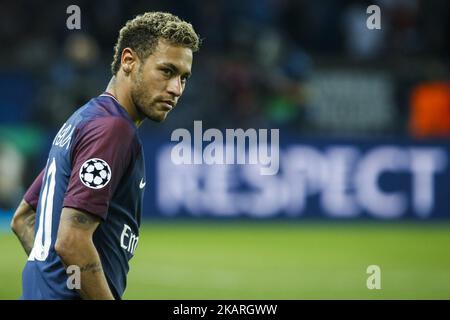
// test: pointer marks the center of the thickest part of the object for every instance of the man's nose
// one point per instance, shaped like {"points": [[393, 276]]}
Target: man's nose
{"points": [[175, 87]]}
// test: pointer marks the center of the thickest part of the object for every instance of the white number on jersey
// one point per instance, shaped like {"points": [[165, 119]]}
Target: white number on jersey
{"points": [[43, 236]]}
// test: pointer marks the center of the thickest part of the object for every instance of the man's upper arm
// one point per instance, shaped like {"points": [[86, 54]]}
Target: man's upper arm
{"points": [[75, 225], [103, 143]]}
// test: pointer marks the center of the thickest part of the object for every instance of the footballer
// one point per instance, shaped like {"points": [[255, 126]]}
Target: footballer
{"points": [[84, 208]]}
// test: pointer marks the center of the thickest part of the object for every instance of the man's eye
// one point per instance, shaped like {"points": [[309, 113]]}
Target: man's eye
{"points": [[167, 72]]}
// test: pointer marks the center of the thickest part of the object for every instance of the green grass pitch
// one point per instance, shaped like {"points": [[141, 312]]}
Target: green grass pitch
{"points": [[275, 260]]}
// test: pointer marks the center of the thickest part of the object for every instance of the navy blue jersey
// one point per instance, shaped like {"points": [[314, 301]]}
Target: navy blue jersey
{"points": [[95, 165]]}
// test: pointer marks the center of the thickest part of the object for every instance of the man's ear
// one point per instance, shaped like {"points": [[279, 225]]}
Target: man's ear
{"points": [[128, 60]]}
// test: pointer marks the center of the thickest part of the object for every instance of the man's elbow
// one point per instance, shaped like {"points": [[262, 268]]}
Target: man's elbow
{"points": [[16, 224], [23, 216], [63, 247], [69, 246]]}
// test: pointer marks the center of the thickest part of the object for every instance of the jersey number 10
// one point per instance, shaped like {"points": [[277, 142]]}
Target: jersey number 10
{"points": [[43, 236]]}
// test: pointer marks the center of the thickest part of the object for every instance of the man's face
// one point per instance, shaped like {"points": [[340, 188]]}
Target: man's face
{"points": [[160, 80]]}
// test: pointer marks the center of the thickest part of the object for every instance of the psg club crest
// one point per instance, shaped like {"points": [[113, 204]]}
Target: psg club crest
{"points": [[95, 173]]}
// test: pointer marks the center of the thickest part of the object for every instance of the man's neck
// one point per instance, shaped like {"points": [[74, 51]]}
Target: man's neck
{"points": [[122, 94]]}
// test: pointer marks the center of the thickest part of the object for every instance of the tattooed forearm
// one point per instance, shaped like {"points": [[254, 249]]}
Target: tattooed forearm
{"points": [[26, 238], [22, 224], [29, 221], [25, 233], [81, 220], [75, 246], [92, 267]]}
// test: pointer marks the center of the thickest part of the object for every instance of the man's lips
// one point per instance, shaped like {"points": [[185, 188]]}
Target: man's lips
{"points": [[167, 104]]}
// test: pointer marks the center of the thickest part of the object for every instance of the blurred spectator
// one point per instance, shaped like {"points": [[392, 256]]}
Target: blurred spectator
{"points": [[253, 69], [361, 42], [11, 173]]}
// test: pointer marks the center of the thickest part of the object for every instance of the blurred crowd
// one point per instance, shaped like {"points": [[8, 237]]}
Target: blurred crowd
{"points": [[258, 60], [307, 67]]}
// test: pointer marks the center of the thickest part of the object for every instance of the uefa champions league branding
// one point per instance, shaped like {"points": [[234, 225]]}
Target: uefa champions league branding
{"points": [[233, 149], [95, 173]]}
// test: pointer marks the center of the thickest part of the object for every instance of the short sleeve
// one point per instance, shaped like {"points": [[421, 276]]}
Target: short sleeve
{"points": [[32, 194], [100, 157]]}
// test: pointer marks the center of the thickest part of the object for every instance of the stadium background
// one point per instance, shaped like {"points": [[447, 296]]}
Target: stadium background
{"points": [[364, 119]]}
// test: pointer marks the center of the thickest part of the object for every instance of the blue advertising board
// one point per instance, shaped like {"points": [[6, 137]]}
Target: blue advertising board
{"points": [[317, 178]]}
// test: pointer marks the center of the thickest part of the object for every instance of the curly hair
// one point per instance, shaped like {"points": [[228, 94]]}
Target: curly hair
{"points": [[144, 31]]}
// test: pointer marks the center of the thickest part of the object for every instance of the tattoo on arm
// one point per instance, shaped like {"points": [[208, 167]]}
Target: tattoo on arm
{"points": [[92, 267], [82, 220], [26, 235], [30, 220], [26, 238]]}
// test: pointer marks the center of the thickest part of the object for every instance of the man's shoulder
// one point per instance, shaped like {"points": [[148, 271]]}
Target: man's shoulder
{"points": [[103, 117], [109, 127], [113, 123], [100, 122]]}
